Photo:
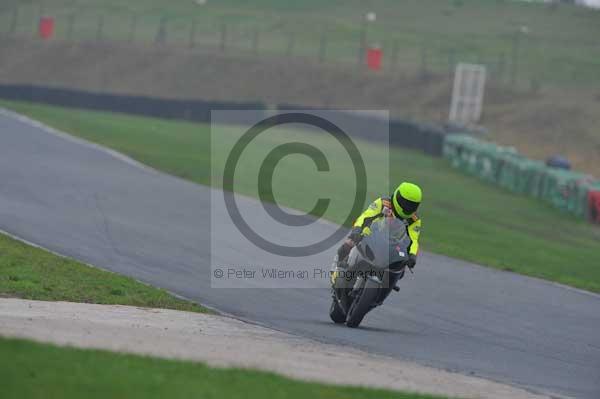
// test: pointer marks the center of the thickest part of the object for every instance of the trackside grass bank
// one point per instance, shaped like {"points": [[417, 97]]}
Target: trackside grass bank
{"points": [[32, 370], [462, 217], [32, 273]]}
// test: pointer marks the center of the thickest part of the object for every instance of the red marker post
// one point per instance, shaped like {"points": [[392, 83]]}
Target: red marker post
{"points": [[46, 27], [594, 204], [374, 57]]}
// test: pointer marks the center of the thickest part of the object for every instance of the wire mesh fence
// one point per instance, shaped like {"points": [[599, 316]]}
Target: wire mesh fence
{"points": [[402, 53]]}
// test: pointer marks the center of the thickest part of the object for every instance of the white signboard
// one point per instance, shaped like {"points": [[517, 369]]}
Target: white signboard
{"points": [[467, 94]]}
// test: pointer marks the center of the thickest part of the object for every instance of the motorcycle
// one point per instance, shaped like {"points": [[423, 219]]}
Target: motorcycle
{"points": [[374, 266]]}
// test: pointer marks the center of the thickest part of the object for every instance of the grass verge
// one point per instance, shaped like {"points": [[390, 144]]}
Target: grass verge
{"points": [[32, 273], [32, 370], [462, 216]]}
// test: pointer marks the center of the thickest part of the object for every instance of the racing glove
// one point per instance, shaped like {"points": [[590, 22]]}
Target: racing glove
{"points": [[412, 261], [356, 234]]}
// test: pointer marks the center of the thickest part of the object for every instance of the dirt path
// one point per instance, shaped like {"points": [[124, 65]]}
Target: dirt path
{"points": [[223, 341]]}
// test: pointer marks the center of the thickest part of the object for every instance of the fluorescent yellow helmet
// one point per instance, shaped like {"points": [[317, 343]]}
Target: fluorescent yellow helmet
{"points": [[406, 199]]}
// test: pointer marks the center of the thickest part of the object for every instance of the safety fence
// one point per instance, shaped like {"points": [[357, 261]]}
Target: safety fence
{"points": [[403, 52], [514, 55], [427, 138], [572, 192]]}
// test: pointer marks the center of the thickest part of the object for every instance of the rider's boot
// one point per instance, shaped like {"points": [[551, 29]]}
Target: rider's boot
{"points": [[340, 265], [337, 268]]}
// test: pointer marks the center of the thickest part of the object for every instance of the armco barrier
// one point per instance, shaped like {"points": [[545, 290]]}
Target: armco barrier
{"points": [[433, 139], [192, 110], [357, 125], [427, 138], [405, 134]]}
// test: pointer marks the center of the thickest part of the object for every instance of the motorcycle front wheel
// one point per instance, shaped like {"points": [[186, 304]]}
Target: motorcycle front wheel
{"points": [[336, 313], [362, 303]]}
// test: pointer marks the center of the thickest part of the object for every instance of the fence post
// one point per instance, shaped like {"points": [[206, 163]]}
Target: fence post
{"points": [[223, 44], [41, 10], [451, 61], [424, 59], [255, 41], [395, 49], [161, 34], [514, 70], [501, 66], [100, 29], [193, 33], [133, 28], [323, 47], [362, 45], [14, 21], [40, 16], [291, 43], [70, 26], [479, 58]]}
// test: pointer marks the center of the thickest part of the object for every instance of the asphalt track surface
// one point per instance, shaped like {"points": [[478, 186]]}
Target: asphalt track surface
{"points": [[84, 202]]}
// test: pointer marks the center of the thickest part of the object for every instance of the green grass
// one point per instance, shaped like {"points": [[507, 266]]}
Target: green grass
{"points": [[32, 273], [464, 30], [33, 370], [462, 216]]}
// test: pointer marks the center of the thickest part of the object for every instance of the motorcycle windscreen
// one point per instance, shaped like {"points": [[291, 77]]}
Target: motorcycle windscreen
{"points": [[387, 244]]}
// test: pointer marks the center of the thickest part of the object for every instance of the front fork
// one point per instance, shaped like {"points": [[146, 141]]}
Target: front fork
{"points": [[341, 290], [385, 287]]}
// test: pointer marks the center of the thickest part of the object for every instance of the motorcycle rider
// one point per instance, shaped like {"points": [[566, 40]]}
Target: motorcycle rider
{"points": [[403, 205]]}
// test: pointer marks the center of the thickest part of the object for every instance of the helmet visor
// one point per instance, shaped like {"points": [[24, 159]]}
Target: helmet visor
{"points": [[408, 207]]}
